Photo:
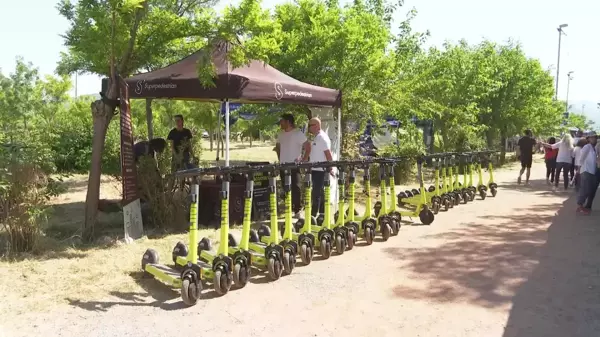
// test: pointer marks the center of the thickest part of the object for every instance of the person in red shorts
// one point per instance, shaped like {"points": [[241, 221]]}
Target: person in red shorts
{"points": [[550, 158]]}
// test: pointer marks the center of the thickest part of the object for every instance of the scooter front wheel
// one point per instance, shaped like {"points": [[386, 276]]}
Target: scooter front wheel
{"points": [[306, 254], [190, 291], [274, 268], [493, 191], [240, 275], [289, 262], [221, 282], [325, 248], [386, 230], [340, 244], [351, 239], [369, 235]]}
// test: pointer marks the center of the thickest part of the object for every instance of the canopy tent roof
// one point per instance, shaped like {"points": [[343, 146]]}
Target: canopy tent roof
{"points": [[256, 82]]}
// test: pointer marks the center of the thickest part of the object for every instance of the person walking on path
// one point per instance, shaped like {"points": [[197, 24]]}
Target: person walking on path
{"points": [[525, 148], [578, 136], [550, 159], [588, 171], [290, 143], [563, 159], [577, 160]]}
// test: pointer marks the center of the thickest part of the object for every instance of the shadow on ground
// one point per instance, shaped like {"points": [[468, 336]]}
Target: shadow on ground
{"points": [[156, 295], [562, 295], [480, 263]]}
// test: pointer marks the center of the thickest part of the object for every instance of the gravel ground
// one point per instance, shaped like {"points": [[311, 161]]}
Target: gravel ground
{"points": [[520, 264]]}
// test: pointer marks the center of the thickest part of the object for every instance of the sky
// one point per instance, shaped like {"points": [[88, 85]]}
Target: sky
{"points": [[531, 22]]}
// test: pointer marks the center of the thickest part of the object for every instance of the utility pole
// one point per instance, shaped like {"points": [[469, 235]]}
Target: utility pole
{"points": [[570, 77], [560, 34]]}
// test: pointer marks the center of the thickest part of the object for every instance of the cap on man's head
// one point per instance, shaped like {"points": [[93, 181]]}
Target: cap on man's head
{"points": [[288, 117]]}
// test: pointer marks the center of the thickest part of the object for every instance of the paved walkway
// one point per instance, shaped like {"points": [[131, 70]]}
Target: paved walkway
{"points": [[521, 264]]}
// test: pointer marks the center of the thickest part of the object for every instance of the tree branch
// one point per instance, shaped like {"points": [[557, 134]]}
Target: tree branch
{"points": [[139, 13]]}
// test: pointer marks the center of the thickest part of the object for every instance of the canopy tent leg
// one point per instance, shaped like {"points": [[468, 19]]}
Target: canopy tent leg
{"points": [[149, 118], [218, 134], [226, 133]]}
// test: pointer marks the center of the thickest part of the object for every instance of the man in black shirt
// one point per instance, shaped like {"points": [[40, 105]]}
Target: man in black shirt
{"points": [[181, 145], [525, 150]]}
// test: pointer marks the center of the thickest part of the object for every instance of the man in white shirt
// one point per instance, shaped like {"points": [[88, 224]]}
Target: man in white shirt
{"points": [[319, 151], [290, 143], [589, 179]]}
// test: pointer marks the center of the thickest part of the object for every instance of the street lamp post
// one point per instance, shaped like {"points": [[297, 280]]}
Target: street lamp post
{"points": [[570, 77], [560, 34]]}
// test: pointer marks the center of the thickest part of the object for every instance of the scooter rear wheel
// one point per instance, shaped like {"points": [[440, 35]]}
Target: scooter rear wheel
{"points": [[274, 269], [306, 254], [435, 207], [482, 194], [493, 191], [426, 217]]}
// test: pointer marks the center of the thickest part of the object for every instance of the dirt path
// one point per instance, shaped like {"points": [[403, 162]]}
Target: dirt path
{"points": [[522, 264]]}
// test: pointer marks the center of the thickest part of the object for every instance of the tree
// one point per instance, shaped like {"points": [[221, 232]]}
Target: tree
{"points": [[116, 38], [342, 48], [579, 121]]}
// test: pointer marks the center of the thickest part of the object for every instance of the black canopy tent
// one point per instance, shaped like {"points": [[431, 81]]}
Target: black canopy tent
{"points": [[256, 82]]}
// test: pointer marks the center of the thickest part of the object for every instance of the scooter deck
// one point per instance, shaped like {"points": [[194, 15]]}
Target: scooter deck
{"points": [[164, 274], [258, 258]]}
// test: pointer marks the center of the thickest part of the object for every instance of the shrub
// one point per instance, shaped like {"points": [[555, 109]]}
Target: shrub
{"points": [[24, 191]]}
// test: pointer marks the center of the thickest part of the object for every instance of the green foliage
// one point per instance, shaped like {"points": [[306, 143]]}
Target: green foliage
{"points": [[579, 121]]}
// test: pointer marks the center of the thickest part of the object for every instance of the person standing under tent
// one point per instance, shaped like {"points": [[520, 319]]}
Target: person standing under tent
{"points": [[290, 143], [525, 148], [589, 175], [181, 145], [319, 151], [563, 159]]}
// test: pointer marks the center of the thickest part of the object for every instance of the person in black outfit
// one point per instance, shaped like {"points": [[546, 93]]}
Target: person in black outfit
{"points": [[525, 148], [181, 145]]}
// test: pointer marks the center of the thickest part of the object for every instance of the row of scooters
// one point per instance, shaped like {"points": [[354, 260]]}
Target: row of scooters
{"points": [[275, 249]]}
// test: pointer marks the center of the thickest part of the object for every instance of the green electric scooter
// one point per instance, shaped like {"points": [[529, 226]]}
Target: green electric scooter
{"points": [[384, 221], [194, 270], [303, 234], [368, 223]]}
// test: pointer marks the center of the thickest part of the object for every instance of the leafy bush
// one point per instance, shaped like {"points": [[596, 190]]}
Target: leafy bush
{"points": [[410, 145], [25, 189], [164, 208]]}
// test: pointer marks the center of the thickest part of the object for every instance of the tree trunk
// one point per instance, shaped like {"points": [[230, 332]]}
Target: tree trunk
{"points": [[211, 136], [502, 147], [102, 115]]}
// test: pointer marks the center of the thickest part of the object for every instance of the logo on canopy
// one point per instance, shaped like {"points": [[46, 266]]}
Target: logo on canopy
{"points": [[141, 85], [278, 91]]}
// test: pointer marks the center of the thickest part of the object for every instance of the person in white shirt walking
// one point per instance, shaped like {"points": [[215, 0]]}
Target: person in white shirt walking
{"points": [[290, 143], [319, 151], [563, 159], [589, 179], [577, 162]]}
